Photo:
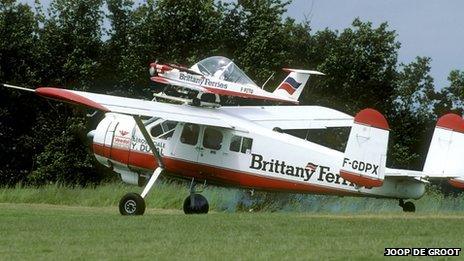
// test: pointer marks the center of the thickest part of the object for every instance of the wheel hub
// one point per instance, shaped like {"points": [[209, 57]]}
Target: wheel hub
{"points": [[130, 206]]}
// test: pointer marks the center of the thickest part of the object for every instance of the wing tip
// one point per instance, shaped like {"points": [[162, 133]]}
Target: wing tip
{"points": [[69, 96]]}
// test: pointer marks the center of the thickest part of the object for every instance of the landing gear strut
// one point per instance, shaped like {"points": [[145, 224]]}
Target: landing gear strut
{"points": [[407, 206], [195, 203], [133, 204]]}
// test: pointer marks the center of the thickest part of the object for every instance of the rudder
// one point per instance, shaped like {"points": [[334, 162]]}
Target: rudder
{"points": [[292, 86], [366, 151], [444, 158]]}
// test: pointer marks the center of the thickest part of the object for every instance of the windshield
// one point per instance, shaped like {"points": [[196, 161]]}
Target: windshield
{"points": [[223, 69]]}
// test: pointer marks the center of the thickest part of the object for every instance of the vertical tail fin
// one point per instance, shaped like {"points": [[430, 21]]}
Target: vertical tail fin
{"points": [[366, 151], [294, 83], [446, 151]]}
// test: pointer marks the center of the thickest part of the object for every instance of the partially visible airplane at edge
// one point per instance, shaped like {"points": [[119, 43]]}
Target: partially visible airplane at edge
{"points": [[247, 147], [217, 76]]}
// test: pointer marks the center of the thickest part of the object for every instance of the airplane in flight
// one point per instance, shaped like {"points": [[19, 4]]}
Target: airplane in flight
{"points": [[248, 147], [218, 76]]}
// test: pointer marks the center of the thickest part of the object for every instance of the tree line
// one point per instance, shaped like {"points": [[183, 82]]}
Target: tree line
{"points": [[106, 47]]}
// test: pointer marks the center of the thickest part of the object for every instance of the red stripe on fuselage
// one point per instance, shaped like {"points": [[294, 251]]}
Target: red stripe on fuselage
{"points": [[217, 174]]}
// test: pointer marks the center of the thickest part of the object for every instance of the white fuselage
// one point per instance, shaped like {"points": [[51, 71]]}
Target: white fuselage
{"points": [[255, 157]]}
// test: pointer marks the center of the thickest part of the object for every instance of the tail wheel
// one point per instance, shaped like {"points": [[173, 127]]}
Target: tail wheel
{"points": [[196, 204], [132, 204]]}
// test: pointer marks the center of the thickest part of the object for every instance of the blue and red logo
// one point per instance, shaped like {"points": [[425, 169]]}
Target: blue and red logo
{"points": [[290, 85]]}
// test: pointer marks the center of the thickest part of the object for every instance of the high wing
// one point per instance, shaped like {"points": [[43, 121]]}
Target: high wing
{"points": [[285, 117], [109, 103], [292, 117]]}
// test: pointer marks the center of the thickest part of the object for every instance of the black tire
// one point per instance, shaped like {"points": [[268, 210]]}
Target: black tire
{"points": [[409, 207], [208, 97], [132, 204], [200, 206], [196, 102]]}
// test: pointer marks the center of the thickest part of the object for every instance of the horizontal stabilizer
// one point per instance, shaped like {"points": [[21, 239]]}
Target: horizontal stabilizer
{"points": [[365, 154], [302, 71]]}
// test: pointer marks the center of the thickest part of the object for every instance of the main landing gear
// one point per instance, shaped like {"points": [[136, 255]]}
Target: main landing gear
{"points": [[133, 204], [407, 206], [195, 203]]}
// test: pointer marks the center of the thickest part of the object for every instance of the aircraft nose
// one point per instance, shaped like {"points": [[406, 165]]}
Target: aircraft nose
{"points": [[152, 71]]}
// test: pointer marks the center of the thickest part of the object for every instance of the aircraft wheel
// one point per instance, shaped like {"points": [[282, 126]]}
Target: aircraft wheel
{"points": [[196, 102], [409, 207], [200, 205], [208, 97], [132, 204]]}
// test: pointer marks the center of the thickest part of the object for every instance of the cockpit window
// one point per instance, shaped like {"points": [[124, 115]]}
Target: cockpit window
{"points": [[190, 134], [168, 125], [223, 69], [156, 130], [164, 130], [212, 139]]}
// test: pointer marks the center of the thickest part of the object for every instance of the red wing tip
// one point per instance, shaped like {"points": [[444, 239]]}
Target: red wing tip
{"points": [[457, 183], [361, 180], [68, 96], [451, 121], [372, 118]]}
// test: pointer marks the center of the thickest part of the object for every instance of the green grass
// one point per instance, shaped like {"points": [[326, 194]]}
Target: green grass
{"points": [[170, 195], [50, 232]]}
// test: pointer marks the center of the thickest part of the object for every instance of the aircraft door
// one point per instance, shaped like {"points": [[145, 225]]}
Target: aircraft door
{"points": [[187, 148], [108, 142], [122, 140], [211, 147]]}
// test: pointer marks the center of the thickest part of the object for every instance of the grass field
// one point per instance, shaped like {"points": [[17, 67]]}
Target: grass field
{"points": [[55, 222], [40, 231], [166, 195]]}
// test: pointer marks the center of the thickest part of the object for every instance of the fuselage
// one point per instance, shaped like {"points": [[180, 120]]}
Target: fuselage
{"points": [[254, 157]]}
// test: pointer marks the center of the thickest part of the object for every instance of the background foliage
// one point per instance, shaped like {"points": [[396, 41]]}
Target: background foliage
{"points": [[106, 46]]}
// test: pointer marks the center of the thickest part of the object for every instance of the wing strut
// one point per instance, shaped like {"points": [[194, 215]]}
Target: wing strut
{"points": [[155, 152]]}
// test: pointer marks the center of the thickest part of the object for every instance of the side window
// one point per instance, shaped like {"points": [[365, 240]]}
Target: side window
{"points": [[212, 139], [190, 134], [240, 144], [235, 143], [246, 144]]}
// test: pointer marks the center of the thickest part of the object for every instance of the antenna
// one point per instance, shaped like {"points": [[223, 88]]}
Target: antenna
{"points": [[270, 77]]}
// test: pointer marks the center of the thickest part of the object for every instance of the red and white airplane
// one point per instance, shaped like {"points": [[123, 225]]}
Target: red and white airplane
{"points": [[245, 147], [216, 76]]}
